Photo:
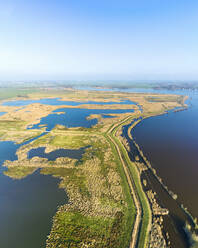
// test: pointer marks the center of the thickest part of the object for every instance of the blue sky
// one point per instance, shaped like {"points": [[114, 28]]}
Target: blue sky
{"points": [[99, 39]]}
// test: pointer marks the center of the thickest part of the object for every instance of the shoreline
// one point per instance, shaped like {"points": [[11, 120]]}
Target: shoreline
{"points": [[142, 228], [192, 220]]}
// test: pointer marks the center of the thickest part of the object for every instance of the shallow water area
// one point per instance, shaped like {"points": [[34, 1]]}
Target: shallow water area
{"points": [[53, 155], [76, 117], [2, 113], [58, 101]]}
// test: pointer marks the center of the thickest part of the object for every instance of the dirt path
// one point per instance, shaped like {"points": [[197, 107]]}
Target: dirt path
{"points": [[137, 223]]}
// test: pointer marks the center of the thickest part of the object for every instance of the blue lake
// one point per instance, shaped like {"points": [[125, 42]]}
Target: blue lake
{"points": [[51, 156], [27, 205], [30, 203], [2, 113], [76, 117], [72, 117], [171, 143], [57, 101]]}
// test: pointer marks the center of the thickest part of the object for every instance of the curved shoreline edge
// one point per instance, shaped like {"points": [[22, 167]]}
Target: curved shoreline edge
{"points": [[149, 164], [140, 218], [191, 227], [141, 227]]}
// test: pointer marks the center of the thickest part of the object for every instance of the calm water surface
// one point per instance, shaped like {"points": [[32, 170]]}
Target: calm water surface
{"points": [[27, 205], [71, 117], [57, 101], [51, 156], [76, 117], [2, 113], [154, 136], [170, 142]]}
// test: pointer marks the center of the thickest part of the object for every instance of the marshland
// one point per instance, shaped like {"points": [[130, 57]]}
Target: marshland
{"points": [[76, 143]]}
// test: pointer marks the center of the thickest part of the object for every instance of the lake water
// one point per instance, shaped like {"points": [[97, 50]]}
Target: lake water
{"points": [[169, 141], [171, 144], [58, 101], [76, 117], [52, 156], [71, 117], [26, 205]]}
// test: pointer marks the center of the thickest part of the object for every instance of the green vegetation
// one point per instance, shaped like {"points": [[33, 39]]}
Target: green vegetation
{"points": [[19, 172], [146, 212], [68, 176], [67, 139], [107, 205], [146, 215], [11, 125], [94, 181], [13, 92], [73, 228], [130, 211], [14, 130], [169, 98]]}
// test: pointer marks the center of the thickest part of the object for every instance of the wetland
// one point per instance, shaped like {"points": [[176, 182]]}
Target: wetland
{"points": [[68, 145]]}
